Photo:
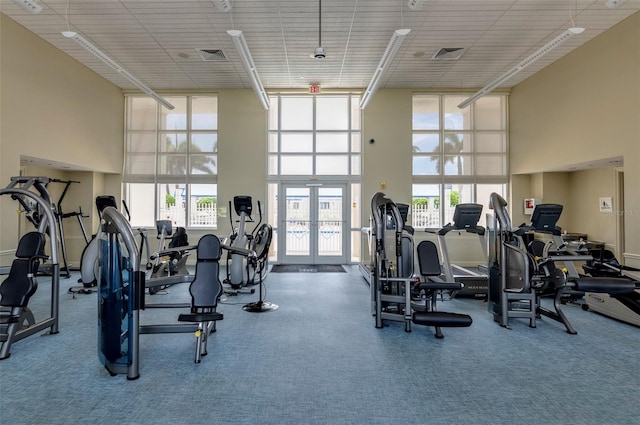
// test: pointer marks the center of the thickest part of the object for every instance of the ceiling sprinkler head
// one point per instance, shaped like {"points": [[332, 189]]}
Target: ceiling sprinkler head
{"points": [[319, 53]]}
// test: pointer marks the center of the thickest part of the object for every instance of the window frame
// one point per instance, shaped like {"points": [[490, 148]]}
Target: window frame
{"points": [[185, 144], [470, 153]]}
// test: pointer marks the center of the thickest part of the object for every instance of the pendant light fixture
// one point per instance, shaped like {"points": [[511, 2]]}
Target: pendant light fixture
{"points": [[319, 53]]}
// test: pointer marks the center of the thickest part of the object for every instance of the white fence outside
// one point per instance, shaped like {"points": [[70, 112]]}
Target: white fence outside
{"points": [[428, 216], [202, 215]]}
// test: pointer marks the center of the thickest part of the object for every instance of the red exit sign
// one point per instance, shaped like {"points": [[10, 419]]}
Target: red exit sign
{"points": [[314, 88]]}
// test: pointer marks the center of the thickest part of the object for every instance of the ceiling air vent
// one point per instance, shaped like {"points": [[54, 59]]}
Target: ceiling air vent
{"points": [[212, 55], [448, 53]]}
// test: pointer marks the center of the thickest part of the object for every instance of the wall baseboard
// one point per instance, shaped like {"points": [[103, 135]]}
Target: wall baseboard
{"points": [[6, 258], [632, 260]]}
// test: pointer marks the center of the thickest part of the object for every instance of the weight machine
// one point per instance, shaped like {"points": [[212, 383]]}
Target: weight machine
{"points": [[89, 258], [121, 296], [396, 293], [33, 212], [519, 279], [19, 322]]}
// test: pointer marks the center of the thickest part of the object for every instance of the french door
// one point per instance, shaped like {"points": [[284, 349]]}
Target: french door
{"points": [[313, 223]]}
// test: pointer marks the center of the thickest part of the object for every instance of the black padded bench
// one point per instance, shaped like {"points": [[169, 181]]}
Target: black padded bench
{"points": [[605, 285]]}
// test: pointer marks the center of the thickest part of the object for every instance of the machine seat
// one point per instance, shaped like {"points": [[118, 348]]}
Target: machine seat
{"points": [[446, 286], [443, 319], [200, 317], [430, 270]]}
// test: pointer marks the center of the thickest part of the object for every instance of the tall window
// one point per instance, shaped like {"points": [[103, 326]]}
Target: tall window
{"points": [[459, 155], [171, 161], [317, 138]]}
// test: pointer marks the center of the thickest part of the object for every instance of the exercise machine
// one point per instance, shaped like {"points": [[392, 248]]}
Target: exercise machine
{"points": [[466, 218], [16, 320], [518, 280], [170, 259], [622, 307], [33, 212], [121, 296], [396, 294], [367, 265], [242, 273], [89, 258]]}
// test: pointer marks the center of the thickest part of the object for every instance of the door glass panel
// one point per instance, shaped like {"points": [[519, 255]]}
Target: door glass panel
{"points": [[297, 221], [330, 221], [312, 226], [272, 217]]}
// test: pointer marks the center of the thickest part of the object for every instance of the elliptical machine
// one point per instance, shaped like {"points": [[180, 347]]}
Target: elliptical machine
{"points": [[241, 272]]}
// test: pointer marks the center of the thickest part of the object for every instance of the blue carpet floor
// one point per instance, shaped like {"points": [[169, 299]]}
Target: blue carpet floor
{"points": [[319, 359]]}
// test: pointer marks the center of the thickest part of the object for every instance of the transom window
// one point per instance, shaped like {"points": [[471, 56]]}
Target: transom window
{"points": [[314, 136]]}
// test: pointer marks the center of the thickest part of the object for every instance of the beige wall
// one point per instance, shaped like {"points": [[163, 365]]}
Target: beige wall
{"points": [[588, 186], [387, 161], [52, 108], [584, 108], [242, 151]]}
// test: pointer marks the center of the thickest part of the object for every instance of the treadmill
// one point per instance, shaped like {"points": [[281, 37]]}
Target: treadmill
{"points": [[465, 219]]}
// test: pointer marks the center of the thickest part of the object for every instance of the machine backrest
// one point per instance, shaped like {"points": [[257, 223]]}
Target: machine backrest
{"points": [[536, 248], [179, 238], [21, 284], [604, 256], [206, 287], [428, 259], [599, 266]]}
